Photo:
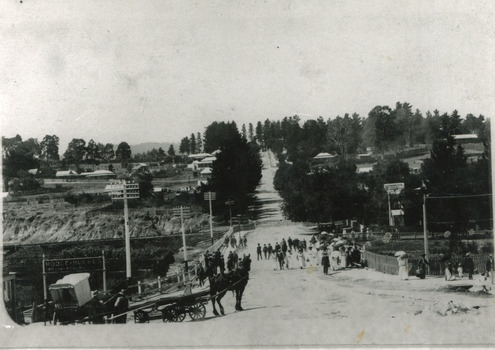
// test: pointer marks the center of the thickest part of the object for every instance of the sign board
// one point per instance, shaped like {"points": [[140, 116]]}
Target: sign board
{"points": [[185, 212], [73, 265], [116, 191], [394, 188], [210, 196]]}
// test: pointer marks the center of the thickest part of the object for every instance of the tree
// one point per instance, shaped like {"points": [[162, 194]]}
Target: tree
{"points": [[380, 129], [244, 132], [107, 153], [19, 156], [93, 153], [171, 151], [192, 143], [237, 171], [259, 134], [76, 150], [185, 146], [407, 122], [49, 148], [344, 134], [216, 134], [251, 132], [145, 181], [123, 153], [199, 143]]}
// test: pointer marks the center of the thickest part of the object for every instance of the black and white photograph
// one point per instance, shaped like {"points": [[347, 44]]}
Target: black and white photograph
{"points": [[247, 174]]}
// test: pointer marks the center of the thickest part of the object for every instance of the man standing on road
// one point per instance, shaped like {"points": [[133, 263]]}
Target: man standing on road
{"points": [[490, 268], [120, 308], [468, 265], [258, 252], [265, 251]]}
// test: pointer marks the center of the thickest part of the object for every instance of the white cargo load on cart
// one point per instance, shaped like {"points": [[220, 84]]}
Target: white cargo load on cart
{"points": [[71, 288]]}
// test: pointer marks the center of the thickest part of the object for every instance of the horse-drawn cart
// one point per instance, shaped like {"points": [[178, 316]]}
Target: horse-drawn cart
{"points": [[73, 301], [174, 308]]}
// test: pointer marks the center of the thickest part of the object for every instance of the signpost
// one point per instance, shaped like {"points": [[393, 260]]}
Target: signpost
{"points": [[211, 196], [229, 203], [184, 213], [394, 188], [73, 265], [125, 191]]}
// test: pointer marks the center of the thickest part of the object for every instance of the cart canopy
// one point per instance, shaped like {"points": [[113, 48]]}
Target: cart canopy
{"points": [[72, 289]]}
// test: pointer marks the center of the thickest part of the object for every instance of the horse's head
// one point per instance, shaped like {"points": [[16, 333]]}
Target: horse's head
{"points": [[245, 263]]}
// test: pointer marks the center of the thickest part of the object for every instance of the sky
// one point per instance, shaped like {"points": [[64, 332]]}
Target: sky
{"points": [[157, 71]]}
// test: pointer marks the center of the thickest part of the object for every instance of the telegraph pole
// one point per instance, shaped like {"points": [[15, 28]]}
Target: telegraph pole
{"points": [[229, 203], [209, 196], [124, 190], [184, 213]]}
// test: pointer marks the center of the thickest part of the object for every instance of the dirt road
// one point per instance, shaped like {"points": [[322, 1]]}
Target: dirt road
{"points": [[305, 307]]}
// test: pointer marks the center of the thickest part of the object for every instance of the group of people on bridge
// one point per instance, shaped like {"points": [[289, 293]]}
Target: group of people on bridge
{"points": [[293, 253]]}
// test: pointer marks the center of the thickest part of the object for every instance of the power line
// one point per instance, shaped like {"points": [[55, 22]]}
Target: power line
{"points": [[459, 196]]}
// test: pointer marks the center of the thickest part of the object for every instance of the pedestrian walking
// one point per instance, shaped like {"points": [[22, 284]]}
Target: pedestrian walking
{"points": [[265, 251], [284, 246], [301, 259], [468, 265], [490, 268], [460, 273], [281, 259], [258, 252], [325, 261], [270, 250], [422, 266], [334, 259], [403, 268], [245, 241], [288, 258], [289, 242], [343, 258]]}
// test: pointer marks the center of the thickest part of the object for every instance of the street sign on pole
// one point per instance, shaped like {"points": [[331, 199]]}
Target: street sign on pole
{"points": [[123, 190], [394, 188], [184, 213], [211, 196]]}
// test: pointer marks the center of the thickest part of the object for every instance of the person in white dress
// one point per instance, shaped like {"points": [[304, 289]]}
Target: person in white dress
{"points": [[301, 259], [403, 268]]}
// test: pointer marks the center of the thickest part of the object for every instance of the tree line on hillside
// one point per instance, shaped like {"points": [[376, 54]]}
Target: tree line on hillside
{"points": [[456, 189]]}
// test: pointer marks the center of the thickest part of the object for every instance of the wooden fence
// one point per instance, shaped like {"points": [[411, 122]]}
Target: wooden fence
{"points": [[388, 264]]}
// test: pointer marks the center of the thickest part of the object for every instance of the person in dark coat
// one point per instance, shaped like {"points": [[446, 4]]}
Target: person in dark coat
{"points": [[490, 268], [325, 261], [468, 265], [258, 252], [230, 261], [265, 251], [120, 307], [270, 250], [284, 247], [295, 244], [423, 263], [289, 242], [281, 259]]}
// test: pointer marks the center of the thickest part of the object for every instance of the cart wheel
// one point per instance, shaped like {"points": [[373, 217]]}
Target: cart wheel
{"points": [[197, 311], [168, 314], [173, 313], [180, 314]]}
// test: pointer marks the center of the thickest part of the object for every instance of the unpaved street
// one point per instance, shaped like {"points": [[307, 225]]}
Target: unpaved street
{"points": [[302, 307]]}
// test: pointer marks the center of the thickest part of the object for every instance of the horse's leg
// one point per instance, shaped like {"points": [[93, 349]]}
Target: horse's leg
{"points": [[239, 297], [219, 297], [215, 312]]}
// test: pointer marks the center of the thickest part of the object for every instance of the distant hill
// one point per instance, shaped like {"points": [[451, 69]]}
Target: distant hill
{"points": [[148, 146]]}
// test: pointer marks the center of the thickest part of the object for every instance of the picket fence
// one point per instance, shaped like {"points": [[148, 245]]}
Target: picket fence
{"points": [[388, 264]]}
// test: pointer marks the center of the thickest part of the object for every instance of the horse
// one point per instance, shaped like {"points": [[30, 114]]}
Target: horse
{"points": [[234, 281]]}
